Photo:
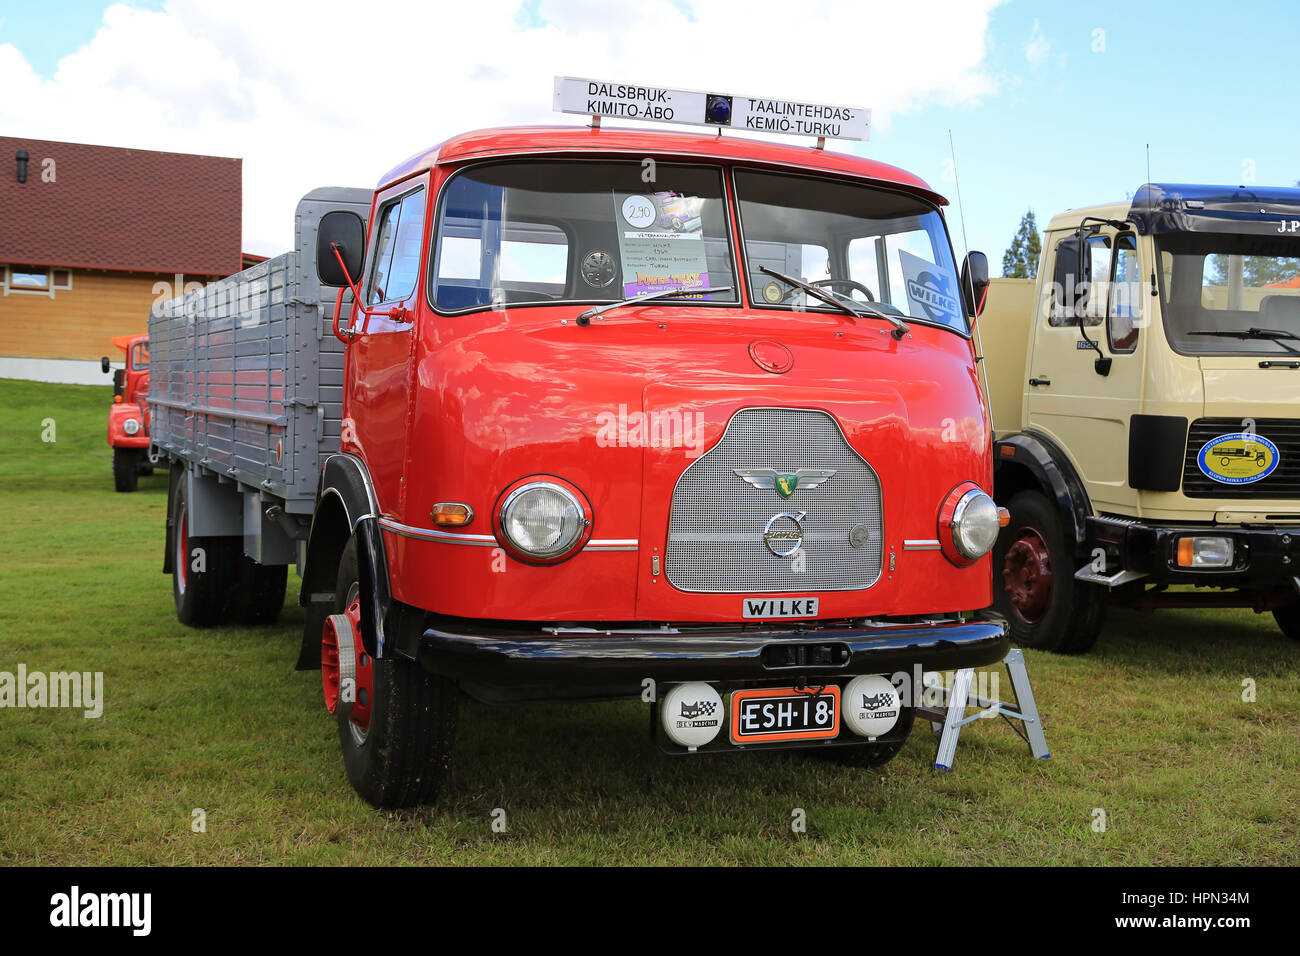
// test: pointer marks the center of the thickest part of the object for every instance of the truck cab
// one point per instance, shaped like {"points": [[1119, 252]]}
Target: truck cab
{"points": [[1146, 405], [128, 422]]}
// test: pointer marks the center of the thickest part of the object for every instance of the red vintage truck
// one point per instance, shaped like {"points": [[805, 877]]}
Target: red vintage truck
{"points": [[128, 422], [525, 442]]}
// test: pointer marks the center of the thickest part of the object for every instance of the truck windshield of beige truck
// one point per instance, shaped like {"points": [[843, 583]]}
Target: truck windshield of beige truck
{"points": [[545, 232], [1229, 294], [875, 249]]}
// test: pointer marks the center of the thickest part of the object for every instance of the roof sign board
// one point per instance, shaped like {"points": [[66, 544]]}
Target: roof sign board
{"points": [[722, 110]]}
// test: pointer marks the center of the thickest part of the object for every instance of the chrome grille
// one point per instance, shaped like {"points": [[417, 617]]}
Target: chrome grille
{"points": [[715, 533]]}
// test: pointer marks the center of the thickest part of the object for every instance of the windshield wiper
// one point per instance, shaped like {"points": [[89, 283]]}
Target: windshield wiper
{"points": [[586, 317], [901, 328], [1272, 335]]}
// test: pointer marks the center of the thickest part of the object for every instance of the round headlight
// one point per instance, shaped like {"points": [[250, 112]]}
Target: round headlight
{"points": [[131, 426], [968, 524], [975, 525], [542, 521]]}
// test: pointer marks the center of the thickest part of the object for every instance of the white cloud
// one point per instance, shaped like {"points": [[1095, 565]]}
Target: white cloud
{"points": [[341, 93], [1039, 48]]}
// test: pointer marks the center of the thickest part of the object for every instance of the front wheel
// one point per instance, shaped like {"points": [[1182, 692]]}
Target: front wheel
{"points": [[1288, 619], [126, 468], [397, 738], [876, 754], [1034, 584]]}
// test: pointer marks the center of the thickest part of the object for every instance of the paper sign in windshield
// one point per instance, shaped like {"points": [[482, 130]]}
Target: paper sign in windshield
{"points": [[930, 290], [661, 243]]}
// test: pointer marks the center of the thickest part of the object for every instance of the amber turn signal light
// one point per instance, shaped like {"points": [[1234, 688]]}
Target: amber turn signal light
{"points": [[452, 514], [1004, 517]]}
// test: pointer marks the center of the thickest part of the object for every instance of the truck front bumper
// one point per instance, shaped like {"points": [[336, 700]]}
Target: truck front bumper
{"points": [[622, 659], [1264, 558]]}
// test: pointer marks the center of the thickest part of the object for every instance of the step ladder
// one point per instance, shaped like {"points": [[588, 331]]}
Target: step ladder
{"points": [[949, 720]]}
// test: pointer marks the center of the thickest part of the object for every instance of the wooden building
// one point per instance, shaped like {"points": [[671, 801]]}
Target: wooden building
{"points": [[91, 236]]}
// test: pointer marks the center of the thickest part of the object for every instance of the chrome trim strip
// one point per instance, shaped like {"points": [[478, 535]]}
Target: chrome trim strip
{"points": [[921, 544], [612, 544], [490, 541], [432, 534]]}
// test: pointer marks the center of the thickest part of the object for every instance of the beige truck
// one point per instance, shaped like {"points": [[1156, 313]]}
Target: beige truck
{"points": [[1145, 393]]}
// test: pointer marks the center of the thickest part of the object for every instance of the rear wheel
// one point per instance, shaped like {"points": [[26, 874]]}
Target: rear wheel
{"points": [[201, 568], [126, 468], [1288, 619], [1034, 586], [397, 740]]}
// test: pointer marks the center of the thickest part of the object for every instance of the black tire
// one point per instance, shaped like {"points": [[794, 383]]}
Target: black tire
{"points": [[202, 568], [872, 754], [1288, 619], [259, 592], [126, 468], [1060, 613], [404, 755]]}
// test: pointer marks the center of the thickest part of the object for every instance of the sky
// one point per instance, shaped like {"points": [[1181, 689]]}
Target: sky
{"points": [[1049, 105]]}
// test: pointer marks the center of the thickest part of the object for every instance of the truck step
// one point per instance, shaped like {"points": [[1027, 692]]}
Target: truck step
{"points": [[1086, 573]]}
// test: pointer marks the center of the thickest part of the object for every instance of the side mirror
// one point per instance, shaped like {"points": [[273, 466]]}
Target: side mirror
{"points": [[974, 282], [103, 365], [346, 231]]}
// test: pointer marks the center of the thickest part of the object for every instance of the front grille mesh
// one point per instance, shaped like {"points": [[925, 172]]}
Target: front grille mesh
{"points": [[715, 533], [1284, 482]]}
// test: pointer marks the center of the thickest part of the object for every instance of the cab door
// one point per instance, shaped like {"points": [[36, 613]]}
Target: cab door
{"points": [[379, 354], [1084, 405]]}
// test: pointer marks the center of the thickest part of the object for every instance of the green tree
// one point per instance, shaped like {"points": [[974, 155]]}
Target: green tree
{"points": [[1021, 259]]}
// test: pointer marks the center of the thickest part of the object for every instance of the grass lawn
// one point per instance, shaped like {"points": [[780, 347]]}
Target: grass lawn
{"points": [[1150, 728]]}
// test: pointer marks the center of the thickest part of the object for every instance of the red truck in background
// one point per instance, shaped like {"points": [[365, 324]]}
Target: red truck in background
{"points": [[128, 421], [537, 446]]}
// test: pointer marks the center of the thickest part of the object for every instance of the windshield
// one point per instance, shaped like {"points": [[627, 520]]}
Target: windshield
{"points": [[532, 233], [1214, 282], [879, 248]]}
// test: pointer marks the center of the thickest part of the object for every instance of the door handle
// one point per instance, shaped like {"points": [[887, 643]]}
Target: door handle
{"points": [[1040, 381]]}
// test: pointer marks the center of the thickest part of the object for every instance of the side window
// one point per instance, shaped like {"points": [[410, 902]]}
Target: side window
{"points": [[897, 254], [1125, 303], [1099, 262], [397, 250], [535, 257], [866, 253]]}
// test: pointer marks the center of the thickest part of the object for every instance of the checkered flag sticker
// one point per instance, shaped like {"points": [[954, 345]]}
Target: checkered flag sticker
{"points": [[700, 708]]}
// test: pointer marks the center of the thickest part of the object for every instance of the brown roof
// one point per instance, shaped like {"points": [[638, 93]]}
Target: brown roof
{"points": [[130, 210]]}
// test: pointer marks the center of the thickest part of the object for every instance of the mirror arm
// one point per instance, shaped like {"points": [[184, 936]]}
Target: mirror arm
{"points": [[399, 313]]}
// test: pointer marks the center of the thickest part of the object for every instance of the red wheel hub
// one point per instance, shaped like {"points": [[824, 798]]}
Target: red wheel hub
{"points": [[1027, 576], [347, 671]]}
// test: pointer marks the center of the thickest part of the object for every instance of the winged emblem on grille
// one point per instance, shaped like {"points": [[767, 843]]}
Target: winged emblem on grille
{"points": [[769, 479]]}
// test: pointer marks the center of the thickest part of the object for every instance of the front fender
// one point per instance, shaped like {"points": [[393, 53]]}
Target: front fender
{"points": [[1056, 477], [345, 506], [117, 418]]}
